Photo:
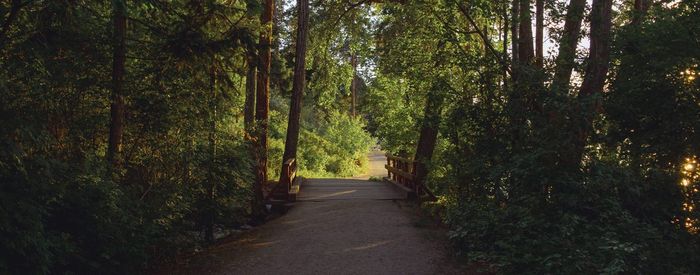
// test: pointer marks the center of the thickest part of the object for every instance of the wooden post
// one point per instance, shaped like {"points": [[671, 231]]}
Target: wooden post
{"points": [[388, 163], [284, 176]]}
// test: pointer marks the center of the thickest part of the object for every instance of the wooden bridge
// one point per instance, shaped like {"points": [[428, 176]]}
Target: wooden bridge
{"points": [[339, 226], [400, 172]]}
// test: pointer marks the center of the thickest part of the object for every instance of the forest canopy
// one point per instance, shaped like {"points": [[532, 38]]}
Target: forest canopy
{"points": [[557, 136]]}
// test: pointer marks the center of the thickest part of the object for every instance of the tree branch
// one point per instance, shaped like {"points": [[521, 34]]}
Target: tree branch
{"points": [[360, 3], [503, 63]]}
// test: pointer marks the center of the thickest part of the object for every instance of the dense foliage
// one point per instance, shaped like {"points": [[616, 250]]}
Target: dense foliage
{"points": [[504, 172], [536, 170], [185, 163]]}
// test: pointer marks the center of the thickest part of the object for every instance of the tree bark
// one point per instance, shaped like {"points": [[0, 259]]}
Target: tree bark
{"points": [[515, 13], [353, 84], [526, 51], [290, 146], [428, 134], [211, 215], [596, 72], [116, 128], [640, 10], [506, 24], [522, 86], [599, 50], [567, 46], [262, 106], [249, 120], [249, 108], [539, 33]]}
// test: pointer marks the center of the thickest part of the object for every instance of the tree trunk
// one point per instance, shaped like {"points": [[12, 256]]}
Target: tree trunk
{"points": [[596, 72], [353, 84], [249, 124], [567, 46], [290, 146], [249, 108], [539, 33], [515, 13], [640, 10], [428, 134], [599, 50], [116, 128], [526, 52], [211, 214], [262, 106], [522, 86], [506, 24]]}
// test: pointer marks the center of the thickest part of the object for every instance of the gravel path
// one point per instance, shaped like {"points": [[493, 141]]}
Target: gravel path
{"points": [[337, 226]]}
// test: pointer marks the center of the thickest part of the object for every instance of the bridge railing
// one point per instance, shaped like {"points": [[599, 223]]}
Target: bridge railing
{"points": [[402, 171], [287, 187], [290, 173]]}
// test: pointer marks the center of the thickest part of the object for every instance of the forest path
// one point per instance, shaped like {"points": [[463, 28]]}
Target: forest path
{"points": [[375, 165], [337, 226]]}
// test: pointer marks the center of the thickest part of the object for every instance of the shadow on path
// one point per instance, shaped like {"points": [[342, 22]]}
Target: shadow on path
{"points": [[337, 226]]}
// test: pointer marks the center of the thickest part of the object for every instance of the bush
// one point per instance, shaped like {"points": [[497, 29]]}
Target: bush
{"points": [[59, 218], [589, 231], [338, 148]]}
